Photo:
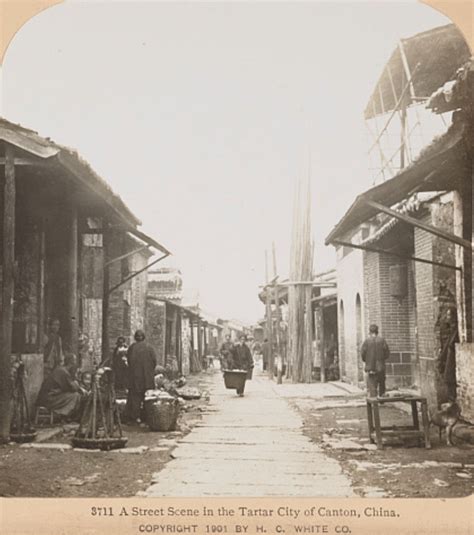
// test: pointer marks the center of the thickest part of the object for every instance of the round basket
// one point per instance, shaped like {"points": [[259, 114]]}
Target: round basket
{"points": [[162, 414], [106, 444]]}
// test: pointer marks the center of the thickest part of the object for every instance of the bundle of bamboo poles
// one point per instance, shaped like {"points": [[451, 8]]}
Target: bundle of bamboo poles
{"points": [[300, 288]]}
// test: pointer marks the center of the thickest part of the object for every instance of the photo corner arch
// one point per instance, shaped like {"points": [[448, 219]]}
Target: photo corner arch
{"points": [[14, 15]]}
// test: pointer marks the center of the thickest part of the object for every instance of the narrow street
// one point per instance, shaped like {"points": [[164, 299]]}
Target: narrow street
{"points": [[278, 440], [250, 446]]}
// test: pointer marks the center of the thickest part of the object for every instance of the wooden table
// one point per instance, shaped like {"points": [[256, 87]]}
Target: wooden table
{"points": [[377, 432]]}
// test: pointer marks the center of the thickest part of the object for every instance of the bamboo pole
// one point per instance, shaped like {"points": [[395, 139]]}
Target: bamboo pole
{"points": [[299, 295], [268, 313], [278, 341]]}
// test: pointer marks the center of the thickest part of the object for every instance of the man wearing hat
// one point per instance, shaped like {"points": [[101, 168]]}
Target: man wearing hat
{"points": [[242, 359], [374, 353]]}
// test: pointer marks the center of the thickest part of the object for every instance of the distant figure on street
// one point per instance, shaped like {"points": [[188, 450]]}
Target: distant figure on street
{"points": [[242, 359], [332, 372], [60, 392], [266, 349], [226, 352], [53, 348], [141, 364], [374, 353]]}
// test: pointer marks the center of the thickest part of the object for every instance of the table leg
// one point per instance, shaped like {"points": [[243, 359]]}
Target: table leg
{"points": [[378, 431], [370, 420], [426, 424], [414, 411]]}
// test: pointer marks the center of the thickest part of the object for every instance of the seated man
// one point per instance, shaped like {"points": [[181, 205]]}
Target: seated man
{"points": [[60, 392]]}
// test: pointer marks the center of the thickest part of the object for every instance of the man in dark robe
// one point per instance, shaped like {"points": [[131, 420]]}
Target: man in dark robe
{"points": [[242, 360], [53, 348], [141, 365], [60, 392], [374, 353]]}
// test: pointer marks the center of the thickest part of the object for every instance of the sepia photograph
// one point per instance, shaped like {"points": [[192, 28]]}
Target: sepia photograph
{"points": [[236, 254]]}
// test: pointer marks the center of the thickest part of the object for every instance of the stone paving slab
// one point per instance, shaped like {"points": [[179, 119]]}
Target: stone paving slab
{"points": [[252, 446], [263, 466]]}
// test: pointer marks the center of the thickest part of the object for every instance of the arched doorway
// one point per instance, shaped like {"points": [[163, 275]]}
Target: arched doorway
{"points": [[342, 342]]}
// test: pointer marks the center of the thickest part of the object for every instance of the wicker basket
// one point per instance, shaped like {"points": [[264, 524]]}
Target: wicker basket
{"points": [[234, 379], [162, 414]]}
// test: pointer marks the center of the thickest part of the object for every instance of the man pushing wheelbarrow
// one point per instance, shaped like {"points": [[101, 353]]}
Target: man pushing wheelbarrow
{"points": [[240, 367]]}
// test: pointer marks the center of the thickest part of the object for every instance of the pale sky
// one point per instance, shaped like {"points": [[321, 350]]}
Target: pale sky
{"points": [[201, 116]]}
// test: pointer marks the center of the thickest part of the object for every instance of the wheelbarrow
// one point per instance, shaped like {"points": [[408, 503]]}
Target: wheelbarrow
{"points": [[235, 379]]}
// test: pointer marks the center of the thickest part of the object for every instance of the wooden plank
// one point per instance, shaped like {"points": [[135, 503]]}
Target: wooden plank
{"points": [[398, 255], [41, 286], [133, 275], [106, 294], [9, 198], [126, 255], [405, 89], [26, 161], [419, 224]]}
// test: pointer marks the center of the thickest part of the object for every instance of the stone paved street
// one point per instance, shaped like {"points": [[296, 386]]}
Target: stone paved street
{"points": [[250, 446]]}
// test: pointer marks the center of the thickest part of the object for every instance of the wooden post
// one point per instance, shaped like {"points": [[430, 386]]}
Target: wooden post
{"points": [[9, 198], [268, 313], [308, 350], [179, 344], [41, 286], [319, 329], [403, 119], [192, 341], [199, 340], [105, 295], [277, 318], [72, 283]]}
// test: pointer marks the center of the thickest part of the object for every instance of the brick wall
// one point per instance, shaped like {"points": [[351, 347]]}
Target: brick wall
{"points": [[372, 289], [395, 326], [393, 315], [127, 303], [119, 298], [155, 327], [91, 294], [138, 292], [428, 279]]}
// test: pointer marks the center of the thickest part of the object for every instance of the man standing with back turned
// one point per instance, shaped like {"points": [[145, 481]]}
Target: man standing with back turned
{"points": [[374, 353], [141, 365]]}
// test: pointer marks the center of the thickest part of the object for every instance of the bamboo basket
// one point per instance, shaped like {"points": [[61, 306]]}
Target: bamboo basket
{"points": [[162, 414], [234, 379]]}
